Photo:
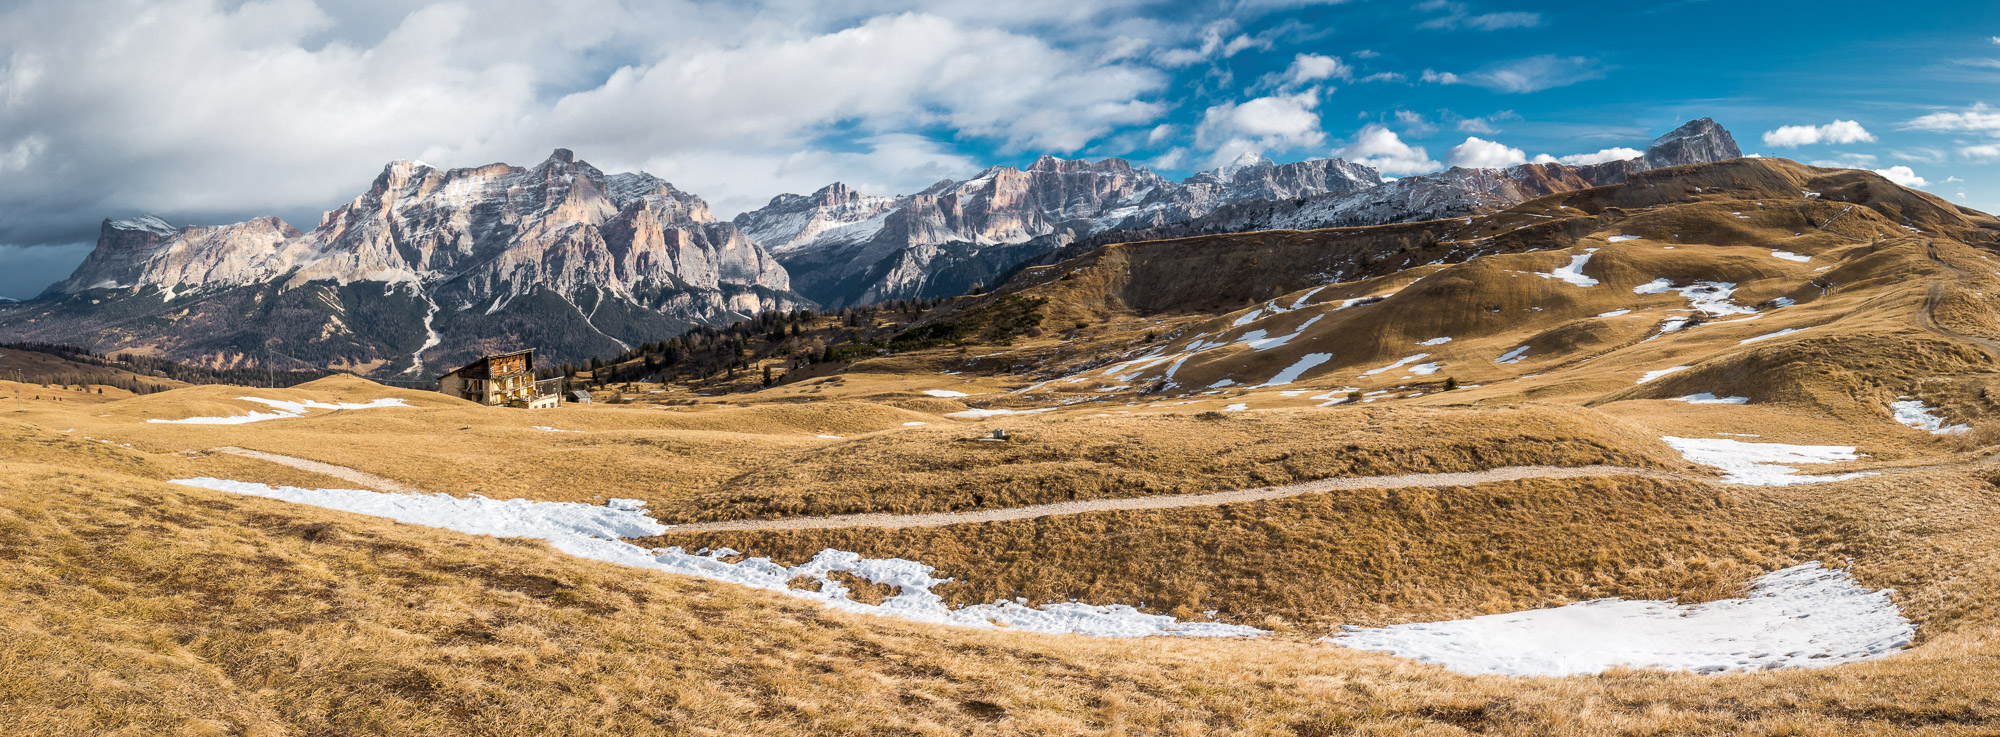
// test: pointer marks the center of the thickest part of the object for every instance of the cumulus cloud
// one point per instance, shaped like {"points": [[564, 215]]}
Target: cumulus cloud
{"points": [[1520, 76], [1601, 156], [213, 112], [1310, 68], [1378, 147], [1902, 175], [1273, 123], [1479, 153], [1979, 118], [1838, 131]]}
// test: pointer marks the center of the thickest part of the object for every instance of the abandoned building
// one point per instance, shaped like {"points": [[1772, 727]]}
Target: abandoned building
{"points": [[503, 379]]}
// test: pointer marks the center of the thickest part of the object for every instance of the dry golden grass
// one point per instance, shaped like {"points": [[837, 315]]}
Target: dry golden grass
{"points": [[131, 607], [930, 469]]}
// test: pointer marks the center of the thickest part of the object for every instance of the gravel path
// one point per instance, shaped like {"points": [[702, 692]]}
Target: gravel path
{"points": [[343, 473], [1508, 473]]}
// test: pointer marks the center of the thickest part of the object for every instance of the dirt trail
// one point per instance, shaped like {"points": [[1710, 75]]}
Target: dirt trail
{"points": [[343, 473], [1509, 473]]}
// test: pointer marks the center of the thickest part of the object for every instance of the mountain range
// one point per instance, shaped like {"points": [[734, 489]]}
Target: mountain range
{"points": [[431, 267]]}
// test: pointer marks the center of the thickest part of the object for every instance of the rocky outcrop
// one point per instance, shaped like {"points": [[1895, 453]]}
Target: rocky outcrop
{"points": [[425, 268], [848, 248]]}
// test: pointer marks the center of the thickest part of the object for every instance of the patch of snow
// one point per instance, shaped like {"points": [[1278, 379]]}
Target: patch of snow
{"points": [[1222, 383], [1768, 336], [1707, 398], [1292, 373], [283, 409], [596, 533], [546, 428], [1513, 356], [914, 424], [1573, 273], [1614, 313], [1404, 361], [1435, 341], [1789, 256], [829, 437], [1763, 464], [1709, 297], [1805, 616], [1651, 375], [1784, 301], [1622, 238], [947, 393], [1656, 286], [1238, 407], [980, 414], [1912, 412], [1425, 369]]}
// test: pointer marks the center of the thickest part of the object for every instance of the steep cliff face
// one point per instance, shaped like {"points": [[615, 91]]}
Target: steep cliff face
{"points": [[848, 248], [425, 268]]}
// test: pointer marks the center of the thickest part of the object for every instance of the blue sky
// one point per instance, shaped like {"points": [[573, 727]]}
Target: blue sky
{"points": [[210, 111]]}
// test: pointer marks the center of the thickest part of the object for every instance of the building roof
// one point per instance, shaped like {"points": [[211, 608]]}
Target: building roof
{"points": [[482, 361]]}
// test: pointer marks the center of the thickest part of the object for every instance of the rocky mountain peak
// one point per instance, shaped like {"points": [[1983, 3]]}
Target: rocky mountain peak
{"points": [[153, 224], [1697, 141], [1246, 161]]}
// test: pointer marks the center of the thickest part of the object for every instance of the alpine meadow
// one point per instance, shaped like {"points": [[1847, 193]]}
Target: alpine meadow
{"points": [[1294, 367]]}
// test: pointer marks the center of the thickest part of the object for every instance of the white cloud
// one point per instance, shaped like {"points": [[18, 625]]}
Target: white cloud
{"points": [[1414, 123], [1520, 76], [1274, 123], [1978, 119], [280, 107], [1619, 153], [1160, 133], [1838, 131], [1479, 153], [1378, 147], [1980, 152], [1314, 67], [1902, 175], [1383, 77], [1174, 158], [1921, 154], [1483, 21]]}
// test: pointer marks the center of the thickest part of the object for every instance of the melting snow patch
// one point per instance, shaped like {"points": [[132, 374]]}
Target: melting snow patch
{"points": [[1435, 341], [1784, 301], [1768, 336], [593, 532], [1513, 356], [1573, 273], [1292, 373], [1912, 412], [1805, 616], [914, 424], [1622, 238], [1425, 369], [947, 393], [1614, 313], [1238, 407], [283, 409], [979, 414], [1707, 398], [1651, 375], [546, 428], [1789, 256], [1404, 361], [1761, 464]]}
